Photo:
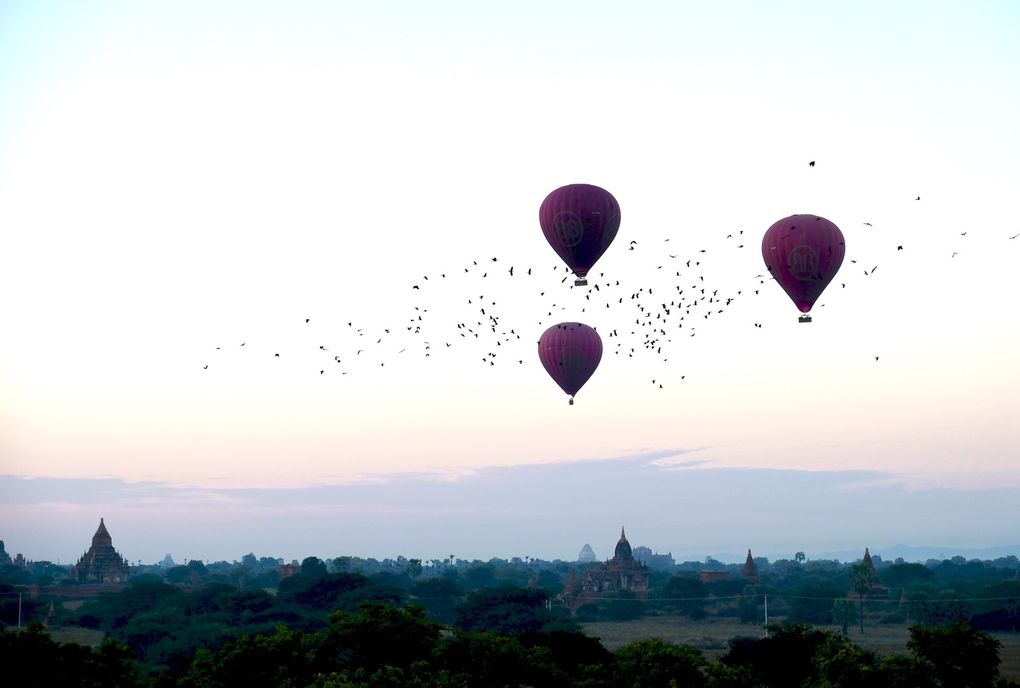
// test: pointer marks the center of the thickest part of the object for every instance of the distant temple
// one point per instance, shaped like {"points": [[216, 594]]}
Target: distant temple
{"points": [[750, 571], [587, 555], [876, 590], [659, 562], [102, 563], [867, 560], [622, 572]]}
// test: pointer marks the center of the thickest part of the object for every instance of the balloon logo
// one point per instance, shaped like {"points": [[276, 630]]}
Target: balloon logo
{"points": [[803, 253], [568, 228], [803, 262], [579, 221], [570, 353]]}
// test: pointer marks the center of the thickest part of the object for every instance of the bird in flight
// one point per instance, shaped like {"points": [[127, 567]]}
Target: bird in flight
{"points": [[811, 164]]}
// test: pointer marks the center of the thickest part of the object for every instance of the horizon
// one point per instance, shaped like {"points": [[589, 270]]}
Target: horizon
{"points": [[397, 514]]}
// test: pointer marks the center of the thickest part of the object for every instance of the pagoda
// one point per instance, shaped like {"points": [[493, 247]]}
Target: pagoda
{"points": [[750, 570], [102, 563]]}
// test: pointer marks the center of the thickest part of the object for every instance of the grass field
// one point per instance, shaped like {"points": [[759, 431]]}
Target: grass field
{"points": [[712, 636], [72, 634]]}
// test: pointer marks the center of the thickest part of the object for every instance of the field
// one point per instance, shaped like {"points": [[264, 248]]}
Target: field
{"points": [[712, 635], [72, 634]]}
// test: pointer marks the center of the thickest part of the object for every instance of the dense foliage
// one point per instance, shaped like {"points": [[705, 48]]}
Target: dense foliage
{"points": [[353, 623], [382, 646]]}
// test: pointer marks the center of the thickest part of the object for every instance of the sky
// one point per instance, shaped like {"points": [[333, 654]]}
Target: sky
{"points": [[179, 179]]}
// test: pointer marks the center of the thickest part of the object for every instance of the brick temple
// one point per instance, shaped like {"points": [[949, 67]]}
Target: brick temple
{"points": [[101, 563]]}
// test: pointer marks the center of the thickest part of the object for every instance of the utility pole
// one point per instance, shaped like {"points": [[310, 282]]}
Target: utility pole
{"points": [[766, 595]]}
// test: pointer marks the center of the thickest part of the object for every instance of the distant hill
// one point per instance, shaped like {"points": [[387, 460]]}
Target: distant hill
{"points": [[907, 552], [923, 554]]}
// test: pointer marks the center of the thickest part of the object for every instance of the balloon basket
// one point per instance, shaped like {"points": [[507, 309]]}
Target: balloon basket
{"points": [[571, 402], [580, 282], [804, 318]]}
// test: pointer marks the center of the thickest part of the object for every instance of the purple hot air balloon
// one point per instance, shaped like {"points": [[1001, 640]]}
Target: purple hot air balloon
{"points": [[803, 253], [579, 221], [570, 353]]}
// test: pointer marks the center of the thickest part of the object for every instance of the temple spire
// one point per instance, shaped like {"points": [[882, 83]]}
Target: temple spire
{"points": [[623, 550], [750, 571]]}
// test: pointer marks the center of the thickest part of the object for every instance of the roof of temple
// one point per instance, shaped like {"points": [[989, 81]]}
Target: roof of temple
{"points": [[623, 550]]}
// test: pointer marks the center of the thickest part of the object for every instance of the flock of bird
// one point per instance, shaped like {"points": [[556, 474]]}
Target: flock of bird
{"points": [[677, 297]]}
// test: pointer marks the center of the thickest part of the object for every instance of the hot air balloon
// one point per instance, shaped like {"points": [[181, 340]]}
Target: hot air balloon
{"points": [[570, 353], [803, 253], [579, 221]]}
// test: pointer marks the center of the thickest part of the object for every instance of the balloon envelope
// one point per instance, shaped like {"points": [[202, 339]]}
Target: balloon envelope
{"points": [[579, 221], [570, 353], [803, 253]]}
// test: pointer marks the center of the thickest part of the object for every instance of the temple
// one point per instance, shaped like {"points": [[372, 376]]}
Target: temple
{"points": [[868, 562], [750, 570], [622, 572], [101, 563]]}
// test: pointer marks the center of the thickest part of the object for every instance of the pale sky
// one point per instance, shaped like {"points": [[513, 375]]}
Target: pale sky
{"points": [[181, 176]]}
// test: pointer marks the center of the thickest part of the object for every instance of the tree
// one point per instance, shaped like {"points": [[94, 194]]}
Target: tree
{"points": [[901, 575], [862, 578], [414, 568], [844, 613], [178, 574], [313, 568], [686, 595], [382, 635], [439, 596], [482, 659], [841, 664], [479, 576], [799, 557], [624, 605], [550, 582], [655, 663], [813, 603], [747, 607], [506, 610], [963, 657], [785, 658], [256, 661]]}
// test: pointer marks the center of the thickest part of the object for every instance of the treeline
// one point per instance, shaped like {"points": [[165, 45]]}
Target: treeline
{"points": [[986, 593], [384, 646]]}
